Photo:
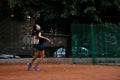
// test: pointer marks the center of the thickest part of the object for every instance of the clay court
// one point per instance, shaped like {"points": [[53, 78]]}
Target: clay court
{"points": [[60, 72]]}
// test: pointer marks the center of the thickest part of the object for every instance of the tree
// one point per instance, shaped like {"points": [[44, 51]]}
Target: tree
{"points": [[57, 14]]}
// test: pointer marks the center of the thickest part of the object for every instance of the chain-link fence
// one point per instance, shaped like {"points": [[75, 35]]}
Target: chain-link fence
{"points": [[96, 43], [15, 38]]}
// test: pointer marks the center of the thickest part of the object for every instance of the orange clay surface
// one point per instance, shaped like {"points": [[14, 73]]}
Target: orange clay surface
{"points": [[60, 72]]}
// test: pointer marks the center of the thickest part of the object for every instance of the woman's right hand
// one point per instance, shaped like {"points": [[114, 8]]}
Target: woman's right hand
{"points": [[48, 39]]}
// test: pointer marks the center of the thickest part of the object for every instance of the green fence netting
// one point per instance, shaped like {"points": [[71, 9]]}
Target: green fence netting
{"points": [[95, 43]]}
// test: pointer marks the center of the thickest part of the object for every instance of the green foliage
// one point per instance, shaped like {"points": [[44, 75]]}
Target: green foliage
{"points": [[58, 11], [66, 8]]}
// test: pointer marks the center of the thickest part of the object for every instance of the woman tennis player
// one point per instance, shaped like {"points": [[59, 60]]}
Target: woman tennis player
{"points": [[39, 47]]}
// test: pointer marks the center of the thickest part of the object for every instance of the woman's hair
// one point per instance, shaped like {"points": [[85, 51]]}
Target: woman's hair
{"points": [[34, 30]]}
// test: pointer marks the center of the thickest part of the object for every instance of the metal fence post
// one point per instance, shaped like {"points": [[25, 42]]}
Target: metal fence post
{"points": [[93, 45]]}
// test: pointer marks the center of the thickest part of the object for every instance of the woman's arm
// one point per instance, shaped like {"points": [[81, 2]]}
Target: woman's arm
{"points": [[40, 36]]}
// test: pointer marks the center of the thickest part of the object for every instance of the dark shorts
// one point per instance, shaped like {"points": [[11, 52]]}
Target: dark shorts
{"points": [[40, 47]]}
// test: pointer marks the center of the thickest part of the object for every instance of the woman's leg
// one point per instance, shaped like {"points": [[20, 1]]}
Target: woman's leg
{"points": [[41, 53], [35, 57]]}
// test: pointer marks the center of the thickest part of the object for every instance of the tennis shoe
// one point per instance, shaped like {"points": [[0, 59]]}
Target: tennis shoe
{"points": [[29, 66], [36, 68]]}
